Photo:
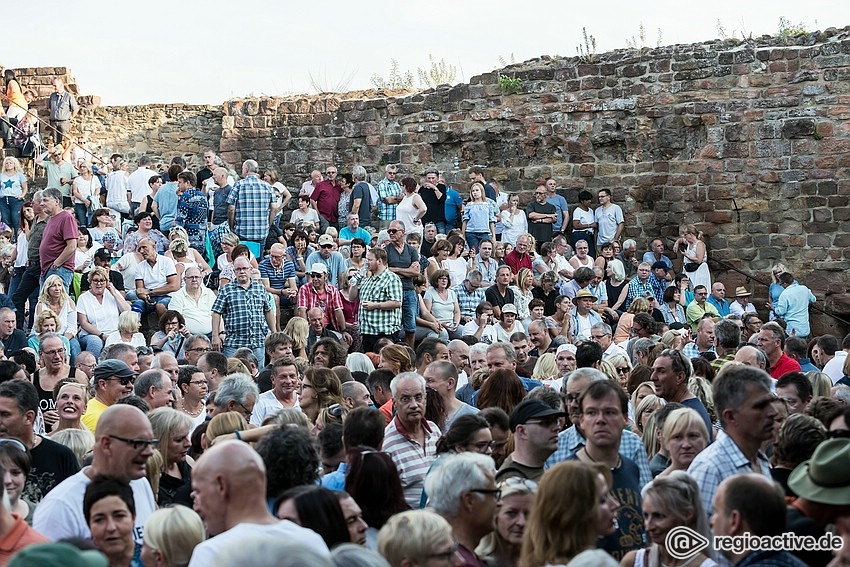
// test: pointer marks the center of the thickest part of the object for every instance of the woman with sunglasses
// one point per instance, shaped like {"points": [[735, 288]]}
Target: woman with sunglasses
{"points": [[623, 366], [502, 546]]}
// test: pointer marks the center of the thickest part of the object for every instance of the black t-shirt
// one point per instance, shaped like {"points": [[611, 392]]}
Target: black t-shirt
{"points": [[403, 259], [16, 341], [492, 295], [549, 306], [264, 379], [203, 175], [51, 464], [435, 209], [541, 231], [116, 278]]}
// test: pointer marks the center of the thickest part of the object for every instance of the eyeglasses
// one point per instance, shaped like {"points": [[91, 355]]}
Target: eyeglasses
{"points": [[83, 364], [483, 446], [241, 269], [204, 382], [497, 493], [572, 397], [392, 230], [540, 193], [838, 434], [623, 370], [406, 400], [191, 277], [446, 555], [124, 380], [137, 444], [248, 412], [98, 281], [59, 351], [316, 274], [546, 422], [597, 337], [14, 443], [199, 349]]}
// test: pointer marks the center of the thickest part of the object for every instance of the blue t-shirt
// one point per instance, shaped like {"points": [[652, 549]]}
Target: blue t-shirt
{"points": [[453, 204], [346, 234], [12, 185], [166, 200], [560, 205], [335, 264]]}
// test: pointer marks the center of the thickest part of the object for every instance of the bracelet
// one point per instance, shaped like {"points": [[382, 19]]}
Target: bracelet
{"points": [[238, 436]]}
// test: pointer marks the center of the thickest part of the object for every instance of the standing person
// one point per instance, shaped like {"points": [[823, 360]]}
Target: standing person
{"points": [[325, 198], [584, 222], [118, 194], [63, 108], [563, 219], [793, 306], [13, 187], [410, 209], [60, 174], [380, 295], [609, 219], [192, 211], [541, 216], [138, 183], [361, 196], [479, 219], [695, 261], [403, 261], [771, 340], [433, 194], [86, 192], [389, 196], [250, 210], [513, 220], [207, 171], [220, 176], [244, 308], [59, 241]]}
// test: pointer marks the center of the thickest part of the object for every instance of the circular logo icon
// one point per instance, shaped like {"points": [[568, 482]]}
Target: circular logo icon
{"points": [[683, 542]]}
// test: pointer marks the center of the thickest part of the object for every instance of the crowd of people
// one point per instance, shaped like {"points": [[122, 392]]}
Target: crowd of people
{"points": [[204, 367]]}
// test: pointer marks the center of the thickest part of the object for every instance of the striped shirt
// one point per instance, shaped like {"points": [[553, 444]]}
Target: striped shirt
{"points": [[253, 199], [409, 457]]}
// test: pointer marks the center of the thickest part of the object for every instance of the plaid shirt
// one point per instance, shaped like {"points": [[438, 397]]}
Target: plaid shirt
{"points": [[243, 311], [631, 447], [253, 199], [387, 188], [719, 461], [468, 300], [328, 302], [386, 287], [637, 289]]}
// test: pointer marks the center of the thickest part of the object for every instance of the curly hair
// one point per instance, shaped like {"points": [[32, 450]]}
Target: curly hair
{"points": [[334, 349], [290, 457], [326, 385]]}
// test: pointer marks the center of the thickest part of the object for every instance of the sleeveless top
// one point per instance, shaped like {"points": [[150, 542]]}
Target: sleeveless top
{"points": [[45, 398], [642, 559], [406, 213]]}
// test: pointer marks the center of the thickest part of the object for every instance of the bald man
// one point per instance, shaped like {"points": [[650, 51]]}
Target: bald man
{"points": [[123, 442], [752, 356], [229, 488]]}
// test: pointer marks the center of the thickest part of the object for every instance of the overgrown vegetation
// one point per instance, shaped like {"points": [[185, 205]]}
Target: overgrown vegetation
{"points": [[587, 51], [788, 29], [510, 85], [437, 73], [395, 81], [640, 43], [324, 84]]}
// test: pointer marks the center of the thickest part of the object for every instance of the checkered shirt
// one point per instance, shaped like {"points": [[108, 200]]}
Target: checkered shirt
{"points": [[386, 287], [468, 300], [243, 311], [253, 199], [328, 302], [387, 188]]}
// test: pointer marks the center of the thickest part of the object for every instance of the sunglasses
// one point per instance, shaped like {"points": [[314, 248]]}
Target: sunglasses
{"points": [[327, 246], [124, 380], [316, 275], [392, 230]]}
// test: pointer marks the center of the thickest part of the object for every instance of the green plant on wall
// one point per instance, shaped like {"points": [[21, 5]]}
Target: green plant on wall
{"points": [[510, 85]]}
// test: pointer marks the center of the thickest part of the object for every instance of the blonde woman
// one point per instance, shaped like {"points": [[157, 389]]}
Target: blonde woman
{"points": [[171, 534], [624, 326], [80, 441], [46, 322], [297, 329], [522, 293], [545, 368], [128, 331], [71, 400], [172, 427], [54, 297], [684, 436], [645, 420], [622, 367], [643, 390], [13, 187], [822, 383]]}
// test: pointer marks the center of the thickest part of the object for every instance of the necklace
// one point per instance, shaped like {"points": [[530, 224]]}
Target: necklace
{"points": [[191, 413], [589, 456]]}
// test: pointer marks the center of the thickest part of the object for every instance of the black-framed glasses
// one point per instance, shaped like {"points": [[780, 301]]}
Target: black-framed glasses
{"points": [[247, 411], [838, 434], [60, 351], [124, 380], [623, 370], [14, 443], [137, 444], [496, 492], [199, 349], [204, 382], [392, 230]]}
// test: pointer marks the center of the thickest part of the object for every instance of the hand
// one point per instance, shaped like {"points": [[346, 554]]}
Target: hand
{"points": [[367, 306], [171, 335], [215, 343], [436, 326], [769, 306], [347, 337], [51, 417], [184, 331], [483, 320]]}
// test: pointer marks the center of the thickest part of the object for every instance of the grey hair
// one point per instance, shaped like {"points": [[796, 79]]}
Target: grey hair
{"points": [[53, 193], [251, 166], [730, 388], [841, 392], [150, 379], [353, 555], [190, 342], [157, 360], [235, 388], [643, 346], [508, 349], [727, 333], [629, 243], [592, 375], [479, 348], [445, 369], [604, 327], [391, 167], [38, 196], [617, 269], [420, 381], [472, 275], [457, 474], [358, 172]]}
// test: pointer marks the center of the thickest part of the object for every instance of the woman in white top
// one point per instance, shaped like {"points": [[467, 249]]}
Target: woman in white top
{"points": [[412, 208], [98, 310], [670, 502], [508, 325], [441, 302], [584, 222], [128, 330], [304, 213], [513, 221], [456, 263], [696, 258], [86, 247], [86, 191]]}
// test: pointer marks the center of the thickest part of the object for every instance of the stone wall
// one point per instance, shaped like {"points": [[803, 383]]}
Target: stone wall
{"points": [[749, 141]]}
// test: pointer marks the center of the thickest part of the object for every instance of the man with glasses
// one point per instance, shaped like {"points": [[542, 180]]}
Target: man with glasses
{"points": [[51, 462], [124, 442], [333, 261], [699, 308], [541, 217], [243, 307], [410, 439], [156, 280], [277, 272], [463, 491], [54, 367], [85, 363], [403, 261], [609, 219], [535, 426], [194, 301], [113, 380], [237, 392], [389, 196], [601, 333], [194, 347], [325, 197], [671, 372]]}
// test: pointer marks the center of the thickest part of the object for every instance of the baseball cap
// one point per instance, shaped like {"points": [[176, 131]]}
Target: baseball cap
{"points": [[509, 308], [103, 254], [318, 268], [58, 554], [532, 409], [112, 367], [659, 264], [326, 239]]}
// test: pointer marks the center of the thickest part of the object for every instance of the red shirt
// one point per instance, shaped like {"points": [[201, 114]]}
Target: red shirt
{"points": [[60, 227], [517, 261], [783, 365], [20, 536], [328, 301], [326, 195]]}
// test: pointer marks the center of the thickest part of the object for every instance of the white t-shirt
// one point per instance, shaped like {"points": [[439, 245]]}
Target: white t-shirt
{"points": [[117, 185], [60, 514], [835, 367], [496, 333], [89, 189], [155, 276], [299, 218], [126, 266], [266, 405], [104, 316], [206, 552], [138, 182], [584, 217]]}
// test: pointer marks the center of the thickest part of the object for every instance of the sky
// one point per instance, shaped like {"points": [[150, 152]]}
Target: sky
{"points": [[205, 52]]}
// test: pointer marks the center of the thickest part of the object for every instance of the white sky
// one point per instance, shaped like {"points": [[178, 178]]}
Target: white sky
{"points": [[206, 51]]}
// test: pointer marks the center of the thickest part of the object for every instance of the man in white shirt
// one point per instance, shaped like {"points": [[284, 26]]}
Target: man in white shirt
{"points": [[194, 300], [138, 183], [156, 279], [229, 489], [601, 333], [284, 393], [123, 443]]}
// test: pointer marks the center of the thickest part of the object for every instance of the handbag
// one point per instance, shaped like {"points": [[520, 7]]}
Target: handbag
{"points": [[691, 267]]}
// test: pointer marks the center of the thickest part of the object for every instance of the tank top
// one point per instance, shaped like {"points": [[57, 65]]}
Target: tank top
{"points": [[45, 398]]}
